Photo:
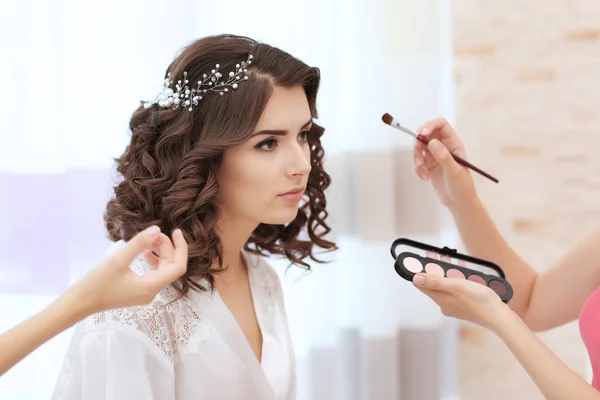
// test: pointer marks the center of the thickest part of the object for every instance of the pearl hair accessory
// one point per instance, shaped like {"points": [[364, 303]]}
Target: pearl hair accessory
{"points": [[186, 97]]}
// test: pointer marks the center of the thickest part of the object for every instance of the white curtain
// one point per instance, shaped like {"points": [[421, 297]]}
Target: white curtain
{"points": [[73, 73]]}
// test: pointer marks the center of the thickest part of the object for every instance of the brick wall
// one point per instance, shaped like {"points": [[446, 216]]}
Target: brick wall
{"points": [[527, 77]]}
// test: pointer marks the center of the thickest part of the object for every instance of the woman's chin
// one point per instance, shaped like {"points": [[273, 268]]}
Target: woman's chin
{"points": [[282, 217]]}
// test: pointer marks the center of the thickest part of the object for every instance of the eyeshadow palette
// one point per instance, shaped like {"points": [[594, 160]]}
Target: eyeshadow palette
{"points": [[412, 257]]}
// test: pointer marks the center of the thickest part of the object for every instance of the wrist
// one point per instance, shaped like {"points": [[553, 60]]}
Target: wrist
{"points": [[465, 204], [62, 313], [76, 303], [504, 320]]}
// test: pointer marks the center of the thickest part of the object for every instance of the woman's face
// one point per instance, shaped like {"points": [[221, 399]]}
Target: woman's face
{"points": [[263, 179]]}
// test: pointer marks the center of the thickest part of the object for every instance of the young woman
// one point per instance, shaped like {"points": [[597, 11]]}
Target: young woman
{"points": [[541, 301], [228, 152], [110, 285]]}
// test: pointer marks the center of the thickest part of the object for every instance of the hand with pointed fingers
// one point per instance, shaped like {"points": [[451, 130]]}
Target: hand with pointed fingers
{"points": [[433, 162], [461, 298], [112, 284]]}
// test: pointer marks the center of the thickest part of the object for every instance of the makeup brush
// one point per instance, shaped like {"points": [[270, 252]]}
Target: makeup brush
{"points": [[389, 120]]}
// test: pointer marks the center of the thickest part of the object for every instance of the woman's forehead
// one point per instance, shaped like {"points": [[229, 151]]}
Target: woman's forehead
{"points": [[286, 109]]}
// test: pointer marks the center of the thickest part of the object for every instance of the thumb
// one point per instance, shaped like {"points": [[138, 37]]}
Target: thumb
{"points": [[443, 157], [137, 244], [434, 282]]}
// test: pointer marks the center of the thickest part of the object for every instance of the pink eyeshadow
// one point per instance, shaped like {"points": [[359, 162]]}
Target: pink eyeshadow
{"points": [[434, 269], [476, 278], [454, 273], [413, 265]]}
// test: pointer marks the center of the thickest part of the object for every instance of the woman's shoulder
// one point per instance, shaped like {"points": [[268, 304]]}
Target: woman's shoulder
{"points": [[262, 266], [167, 324], [267, 275]]}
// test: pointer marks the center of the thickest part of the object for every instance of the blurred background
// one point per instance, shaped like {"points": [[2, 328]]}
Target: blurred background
{"points": [[517, 78]]}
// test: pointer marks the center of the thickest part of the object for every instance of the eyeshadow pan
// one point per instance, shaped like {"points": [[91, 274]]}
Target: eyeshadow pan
{"points": [[498, 287], [413, 265], [483, 269], [434, 269], [477, 278], [454, 273]]}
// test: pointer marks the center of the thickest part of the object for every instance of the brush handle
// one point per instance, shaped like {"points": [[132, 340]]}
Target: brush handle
{"points": [[425, 140]]}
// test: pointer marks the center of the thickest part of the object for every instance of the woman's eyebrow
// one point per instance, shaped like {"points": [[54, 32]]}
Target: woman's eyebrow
{"points": [[275, 132]]}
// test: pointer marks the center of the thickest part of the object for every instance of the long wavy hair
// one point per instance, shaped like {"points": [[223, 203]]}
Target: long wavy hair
{"points": [[169, 169]]}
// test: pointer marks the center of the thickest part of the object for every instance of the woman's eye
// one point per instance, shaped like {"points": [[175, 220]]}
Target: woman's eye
{"points": [[303, 136], [267, 145]]}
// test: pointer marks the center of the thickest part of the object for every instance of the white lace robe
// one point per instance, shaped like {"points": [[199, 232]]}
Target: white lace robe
{"points": [[191, 349]]}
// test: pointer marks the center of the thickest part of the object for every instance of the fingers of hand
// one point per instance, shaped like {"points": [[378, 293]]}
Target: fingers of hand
{"points": [[428, 127], [152, 258], [436, 127], [164, 248], [421, 161], [136, 245], [423, 174], [156, 280], [440, 126], [175, 264], [154, 248], [462, 290], [444, 157], [453, 296], [434, 282], [445, 301], [418, 157], [168, 263], [181, 251], [438, 150]]}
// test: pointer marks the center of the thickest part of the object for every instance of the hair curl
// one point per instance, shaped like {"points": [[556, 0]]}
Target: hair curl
{"points": [[169, 169]]}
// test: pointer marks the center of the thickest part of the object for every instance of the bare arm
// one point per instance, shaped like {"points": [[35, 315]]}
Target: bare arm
{"points": [[24, 338], [483, 240], [558, 294], [543, 301], [555, 380], [110, 285], [476, 303]]}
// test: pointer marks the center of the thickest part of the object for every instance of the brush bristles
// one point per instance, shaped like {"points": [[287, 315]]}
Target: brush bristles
{"points": [[387, 118]]}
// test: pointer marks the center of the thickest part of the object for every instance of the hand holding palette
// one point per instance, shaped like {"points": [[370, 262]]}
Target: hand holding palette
{"points": [[416, 257]]}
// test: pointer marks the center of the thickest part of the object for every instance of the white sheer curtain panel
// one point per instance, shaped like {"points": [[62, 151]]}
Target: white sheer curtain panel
{"points": [[73, 73]]}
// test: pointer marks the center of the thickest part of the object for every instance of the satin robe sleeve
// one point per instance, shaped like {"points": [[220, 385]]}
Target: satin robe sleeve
{"points": [[113, 365], [123, 354]]}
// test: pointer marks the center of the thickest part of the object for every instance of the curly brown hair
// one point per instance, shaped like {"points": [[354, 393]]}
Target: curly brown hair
{"points": [[169, 169]]}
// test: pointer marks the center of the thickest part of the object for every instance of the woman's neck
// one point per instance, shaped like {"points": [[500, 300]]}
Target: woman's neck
{"points": [[233, 234]]}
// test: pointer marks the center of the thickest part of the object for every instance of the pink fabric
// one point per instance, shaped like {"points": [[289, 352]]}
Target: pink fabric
{"points": [[589, 326]]}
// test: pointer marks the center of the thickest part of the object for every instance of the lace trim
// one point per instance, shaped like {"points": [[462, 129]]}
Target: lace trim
{"points": [[175, 328], [169, 325], [269, 283]]}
